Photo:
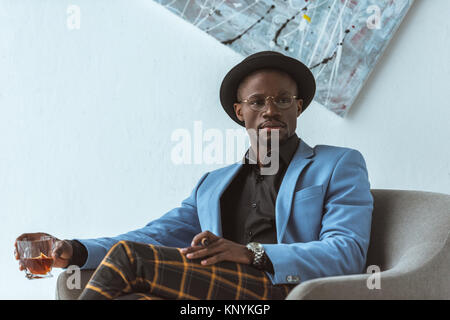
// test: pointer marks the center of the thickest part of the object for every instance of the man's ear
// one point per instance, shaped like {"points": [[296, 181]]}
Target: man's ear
{"points": [[238, 111], [299, 107]]}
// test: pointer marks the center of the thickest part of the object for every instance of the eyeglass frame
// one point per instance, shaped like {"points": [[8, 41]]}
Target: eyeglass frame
{"points": [[265, 102]]}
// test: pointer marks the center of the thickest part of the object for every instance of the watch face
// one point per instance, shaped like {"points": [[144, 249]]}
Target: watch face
{"points": [[257, 246]]}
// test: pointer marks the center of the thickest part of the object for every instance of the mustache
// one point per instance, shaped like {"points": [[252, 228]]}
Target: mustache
{"points": [[272, 122]]}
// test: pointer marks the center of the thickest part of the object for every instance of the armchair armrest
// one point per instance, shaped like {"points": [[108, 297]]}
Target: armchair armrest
{"points": [[421, 273], [64, 291]]}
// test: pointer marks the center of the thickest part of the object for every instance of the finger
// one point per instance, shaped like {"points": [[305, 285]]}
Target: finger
{"points": [[204, 252], [22, 236], [214, 244], [204, 241], [214, 259], [62, 253], [58, 250], [190, 249], [197, 238], [197, 254], [16, 249], [205, 234], [30, 236]]}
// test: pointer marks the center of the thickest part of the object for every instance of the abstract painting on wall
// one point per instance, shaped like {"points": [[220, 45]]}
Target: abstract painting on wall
{"points": [[339, 40]]}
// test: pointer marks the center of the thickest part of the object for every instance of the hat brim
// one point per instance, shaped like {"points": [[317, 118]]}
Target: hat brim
{"points": [[298, 71]]}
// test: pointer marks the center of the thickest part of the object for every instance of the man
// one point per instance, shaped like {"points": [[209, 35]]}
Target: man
{"points": [[264, 233]]}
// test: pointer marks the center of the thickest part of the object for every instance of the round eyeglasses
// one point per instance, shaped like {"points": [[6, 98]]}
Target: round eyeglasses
{"points": [[259, 103]]}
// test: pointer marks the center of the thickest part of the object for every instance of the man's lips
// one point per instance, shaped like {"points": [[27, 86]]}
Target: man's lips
{"points": [[273, 125]]}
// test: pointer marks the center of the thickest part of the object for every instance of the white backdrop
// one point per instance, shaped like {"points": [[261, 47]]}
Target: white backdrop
{"points": [[86, 117]]}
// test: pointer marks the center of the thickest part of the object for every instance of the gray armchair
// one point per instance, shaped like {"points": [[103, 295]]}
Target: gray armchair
{"points": [[410, 244]]}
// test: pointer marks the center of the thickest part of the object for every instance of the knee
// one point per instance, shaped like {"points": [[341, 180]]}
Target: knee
{"points": [[120, 246], [121, 243], [120, 249]]}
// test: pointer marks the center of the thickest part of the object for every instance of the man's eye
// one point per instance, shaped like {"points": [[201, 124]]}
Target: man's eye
{"points": [[256, 102], [284, 100]]}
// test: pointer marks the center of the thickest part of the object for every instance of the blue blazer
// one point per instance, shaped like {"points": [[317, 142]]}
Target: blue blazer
{"points": [[323, 215]]}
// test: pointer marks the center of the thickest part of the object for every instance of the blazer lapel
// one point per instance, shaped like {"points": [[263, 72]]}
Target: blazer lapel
{"points": [[209, 206], [217, 182], [283, 204]]}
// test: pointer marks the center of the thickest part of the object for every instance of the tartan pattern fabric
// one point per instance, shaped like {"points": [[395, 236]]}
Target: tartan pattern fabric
{"points": [[132, 270]]}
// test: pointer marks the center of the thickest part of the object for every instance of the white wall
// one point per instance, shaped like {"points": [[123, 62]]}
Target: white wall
{"points": [[86, 117]]}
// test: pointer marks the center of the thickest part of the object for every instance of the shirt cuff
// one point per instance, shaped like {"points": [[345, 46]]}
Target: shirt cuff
{"points": [[79, 255], [268, 266]]}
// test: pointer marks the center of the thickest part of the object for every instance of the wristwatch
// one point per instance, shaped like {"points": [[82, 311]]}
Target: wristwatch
{"points": [[258, 253]]}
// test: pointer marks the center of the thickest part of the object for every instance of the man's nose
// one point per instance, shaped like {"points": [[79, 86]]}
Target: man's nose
{"points": [[271, 107]]}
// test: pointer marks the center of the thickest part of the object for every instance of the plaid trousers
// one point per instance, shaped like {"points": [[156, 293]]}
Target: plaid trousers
{"points": [[132, 270]]}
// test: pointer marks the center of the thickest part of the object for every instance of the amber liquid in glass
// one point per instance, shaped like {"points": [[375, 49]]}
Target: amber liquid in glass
{"points": [[39, 265]]}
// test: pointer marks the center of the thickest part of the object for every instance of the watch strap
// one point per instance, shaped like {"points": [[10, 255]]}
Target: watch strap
{"points": [[259, 256]]}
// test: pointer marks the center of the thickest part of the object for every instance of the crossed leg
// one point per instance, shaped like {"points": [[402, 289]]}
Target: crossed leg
{"points": [[132, 270]]}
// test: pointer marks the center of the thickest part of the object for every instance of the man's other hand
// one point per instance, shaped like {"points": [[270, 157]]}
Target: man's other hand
{"points": [[62, 251], [218, 249]]}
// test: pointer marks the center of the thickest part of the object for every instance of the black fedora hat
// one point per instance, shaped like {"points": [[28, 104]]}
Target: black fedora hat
{"points": [[306, 83]]}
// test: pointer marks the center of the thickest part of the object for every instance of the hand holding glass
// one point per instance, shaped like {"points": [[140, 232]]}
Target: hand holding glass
{"points": [[36, 256]]}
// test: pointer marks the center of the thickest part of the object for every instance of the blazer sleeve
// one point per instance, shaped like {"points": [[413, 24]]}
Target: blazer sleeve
{"points": [[344, 237], [175, 228]]}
